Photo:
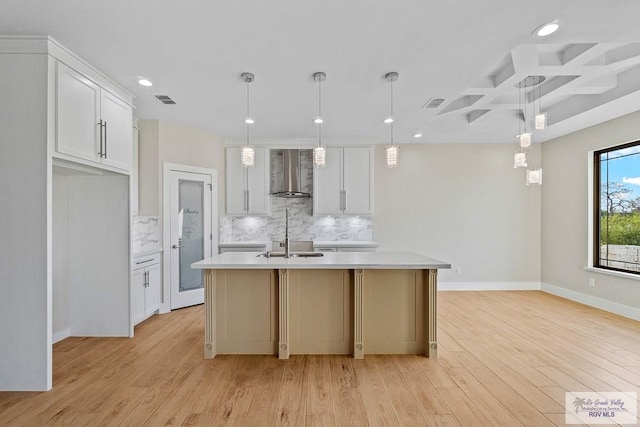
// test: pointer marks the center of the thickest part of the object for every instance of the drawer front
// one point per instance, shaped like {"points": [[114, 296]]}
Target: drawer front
{"points": [[146, 261]]}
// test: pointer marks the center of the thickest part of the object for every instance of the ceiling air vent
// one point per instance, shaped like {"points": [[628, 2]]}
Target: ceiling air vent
{"points": [[165, 99], [434, 103]]}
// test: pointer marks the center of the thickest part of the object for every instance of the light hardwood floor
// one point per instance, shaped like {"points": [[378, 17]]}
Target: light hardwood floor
{"points": [[505, 358]]}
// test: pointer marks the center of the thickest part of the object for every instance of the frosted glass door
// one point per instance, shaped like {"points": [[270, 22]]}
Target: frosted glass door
{"points": [[190, 236], [191, 229]]}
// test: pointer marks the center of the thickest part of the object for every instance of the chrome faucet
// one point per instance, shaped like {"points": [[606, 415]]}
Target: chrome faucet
{"points": [[287, 242]]}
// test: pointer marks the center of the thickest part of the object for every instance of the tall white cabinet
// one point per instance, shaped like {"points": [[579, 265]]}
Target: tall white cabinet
{"points": [[345, 185], [65, 258], [247, 187]]}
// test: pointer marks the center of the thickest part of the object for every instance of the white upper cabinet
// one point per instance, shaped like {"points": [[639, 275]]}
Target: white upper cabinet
{"points": [[78, 114], [92, 123], [247, 187], [345, 185], [117, 119]]}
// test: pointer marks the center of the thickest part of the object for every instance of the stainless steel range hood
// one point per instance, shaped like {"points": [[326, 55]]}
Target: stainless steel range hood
{"points": [[291, 176]]}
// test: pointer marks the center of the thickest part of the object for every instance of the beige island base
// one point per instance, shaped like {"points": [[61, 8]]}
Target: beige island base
{"points": [[340, 303]]}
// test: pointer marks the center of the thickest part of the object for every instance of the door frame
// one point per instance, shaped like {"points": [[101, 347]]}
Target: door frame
{"points": [[165, 305]]}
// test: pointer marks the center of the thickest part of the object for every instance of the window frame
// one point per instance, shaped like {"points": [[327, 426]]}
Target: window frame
{"points": [[597, 186]]}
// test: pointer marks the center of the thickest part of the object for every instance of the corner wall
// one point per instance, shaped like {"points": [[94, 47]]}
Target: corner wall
{"points": [[464, 204], [162, 141], [565, 215]]}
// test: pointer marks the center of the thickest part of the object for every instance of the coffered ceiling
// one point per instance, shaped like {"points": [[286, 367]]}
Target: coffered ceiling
{"points": [[472, 54]]}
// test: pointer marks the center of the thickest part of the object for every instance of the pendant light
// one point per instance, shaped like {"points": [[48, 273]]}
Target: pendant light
{"points": [[540, 119], [319, 152], [392, 151], [524, 136], [248, 153], [534, 177]]}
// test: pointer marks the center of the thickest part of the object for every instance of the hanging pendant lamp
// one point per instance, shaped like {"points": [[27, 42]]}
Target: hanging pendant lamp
{"points": [[248, 153], [319, 152], [392, 151]]}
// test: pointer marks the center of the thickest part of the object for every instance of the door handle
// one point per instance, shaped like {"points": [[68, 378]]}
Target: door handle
{"points": [[100, 153], [105, 139], [176, 246]]}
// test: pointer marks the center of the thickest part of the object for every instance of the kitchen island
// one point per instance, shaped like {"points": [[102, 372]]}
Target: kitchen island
{"points": [[338, 303]]}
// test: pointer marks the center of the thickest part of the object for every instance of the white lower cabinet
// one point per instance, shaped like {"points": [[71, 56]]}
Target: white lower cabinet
{"points": [[145, 287]]}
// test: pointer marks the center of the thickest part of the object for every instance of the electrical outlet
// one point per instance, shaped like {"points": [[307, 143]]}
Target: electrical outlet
{"points": [[592, 282], [458, 271]]}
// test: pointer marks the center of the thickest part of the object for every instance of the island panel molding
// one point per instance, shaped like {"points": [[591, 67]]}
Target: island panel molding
{"points": [[381, 302], [320, 312], [283, 314], [358, 341]]}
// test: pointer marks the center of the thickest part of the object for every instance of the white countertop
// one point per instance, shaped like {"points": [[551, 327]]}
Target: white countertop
{"points": [[345, 244], [334, 260], [316, 244]]}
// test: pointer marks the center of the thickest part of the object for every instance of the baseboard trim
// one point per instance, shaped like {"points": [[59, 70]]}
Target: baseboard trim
{"points": [[488, 286], [60, 335], [601, 303]]}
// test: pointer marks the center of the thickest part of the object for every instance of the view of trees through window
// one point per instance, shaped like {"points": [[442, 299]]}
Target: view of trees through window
{"points": [[617, 232]]}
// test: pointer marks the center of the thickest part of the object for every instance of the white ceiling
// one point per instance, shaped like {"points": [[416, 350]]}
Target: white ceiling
{"points": [[472, 53]]}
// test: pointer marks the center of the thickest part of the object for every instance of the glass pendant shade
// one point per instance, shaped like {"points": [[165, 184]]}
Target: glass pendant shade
{"points": [[320, 156], [540, 121], [520, 160], [525, 140], [392, 152], [248, 155], [534, 177]]}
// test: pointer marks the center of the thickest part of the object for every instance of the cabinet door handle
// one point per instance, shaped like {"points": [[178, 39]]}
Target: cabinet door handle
{"points": [[100, 125], [105, 139]]}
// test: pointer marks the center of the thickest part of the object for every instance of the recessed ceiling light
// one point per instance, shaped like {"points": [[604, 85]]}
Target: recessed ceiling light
{"points": [[145, 82], [388, 120], [417, 135], [547, 29], [318, 120], [249, 121]]}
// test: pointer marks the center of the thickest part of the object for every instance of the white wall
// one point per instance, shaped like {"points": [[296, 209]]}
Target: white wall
{"points": [[60, 259], [166, 142], [149, 168], [565, 211], [463, 204]]}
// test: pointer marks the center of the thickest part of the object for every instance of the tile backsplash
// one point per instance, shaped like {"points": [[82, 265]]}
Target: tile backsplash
{"points": [[145, 233], [302, 225]]}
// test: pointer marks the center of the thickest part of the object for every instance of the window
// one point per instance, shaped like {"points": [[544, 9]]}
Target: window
{"points": [[617, 208]]}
